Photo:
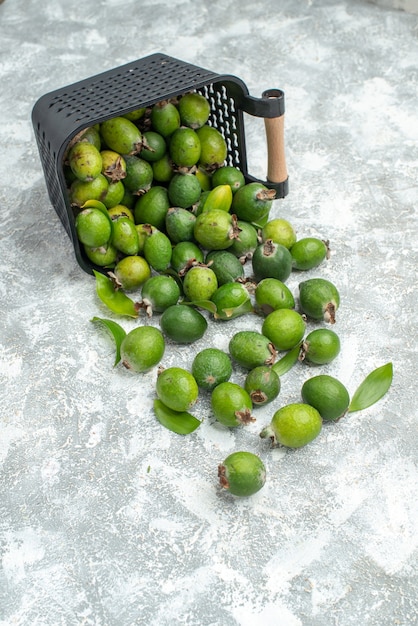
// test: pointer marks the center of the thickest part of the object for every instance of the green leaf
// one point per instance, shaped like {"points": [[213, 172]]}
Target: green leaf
{"points": [[231, 313], [373, 387], [181, 423], [287, 361], [117, 332], [116, 300], [202, 304]]}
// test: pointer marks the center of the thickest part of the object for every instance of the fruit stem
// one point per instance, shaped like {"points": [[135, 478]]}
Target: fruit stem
{"points": [[268, 433], [329, 313]]}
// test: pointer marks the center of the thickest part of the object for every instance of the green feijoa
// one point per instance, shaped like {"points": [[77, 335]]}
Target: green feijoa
{"points": [[184, 255], [272, 294], [158, 293], [249, 348], [199, 283], [319, 299], [85, 161], [215, 229], [93, 227], [226, 266], [285, 328], [194, 110], [162, 169], [179, 224], [280, 231], [103, 256], [320, 346], [142, 348], [157, 250], [228, 175], [308, 253], [154, 146], [82, 191], [129, 199], [151, 207], [184, 147], [165, 118], [177, 388], [125, 236], [210, 367], [184, 190], [183, 324], [263, 385], [139, 175], [130, 272], [252, 203], [113, 165], [91, 135], [204, 179], [294, 425], [271, 260], [246, 242], [231, 300], [143, 232], [121, 135], [231, 404], [213, 147], [327, 395], [135, 115], [242, 474], [114, 194]]}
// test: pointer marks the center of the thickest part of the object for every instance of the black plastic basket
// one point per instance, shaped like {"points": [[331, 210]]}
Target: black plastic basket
{"points": [[60, 115]]}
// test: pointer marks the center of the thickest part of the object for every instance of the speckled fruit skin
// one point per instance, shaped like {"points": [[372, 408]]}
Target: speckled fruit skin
{"points": [[142, 348], [320, 346], [263, 385], [251, 348], [294, 425], [308, 253], [210, 367], [231, 404], [285, 328], [327, 395], [183, 324], [272, 260], [242, 473], [177, 388], [319, 299]]}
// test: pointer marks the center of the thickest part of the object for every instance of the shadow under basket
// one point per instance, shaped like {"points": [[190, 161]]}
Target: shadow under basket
{"points": [[58, 116]]}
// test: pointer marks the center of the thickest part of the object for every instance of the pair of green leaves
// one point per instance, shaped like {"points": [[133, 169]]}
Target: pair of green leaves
{"points": [[182, 423], [370, 391]]}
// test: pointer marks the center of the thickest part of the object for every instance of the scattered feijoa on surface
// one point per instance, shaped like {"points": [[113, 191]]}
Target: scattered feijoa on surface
{"points": [[294, 425], [249, 348], [263, 385], [231, 404], [285, 328], [242, 473], [308, 253], [320, 346], [319, 299], [272, 294], [183, 323], [177, 388], [142, 348], [327, 395], [210, 367]]}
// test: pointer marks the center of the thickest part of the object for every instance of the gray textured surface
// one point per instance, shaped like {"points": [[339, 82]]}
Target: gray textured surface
{"points": [[106, 518]]}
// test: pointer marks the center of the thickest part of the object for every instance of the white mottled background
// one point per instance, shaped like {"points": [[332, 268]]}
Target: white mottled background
{"points": [[107, 519]]}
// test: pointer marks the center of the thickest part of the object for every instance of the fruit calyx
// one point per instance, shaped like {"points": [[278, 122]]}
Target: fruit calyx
{"points": [[245, 416], [222, 476], [329, 313], [273, 352], [268, 433], [115, 171], [268, 248], [235, 230], [266, 194], [258, 396]]}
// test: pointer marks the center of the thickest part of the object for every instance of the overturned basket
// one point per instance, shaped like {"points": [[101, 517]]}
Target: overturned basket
{"points": [[60, 115]]}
